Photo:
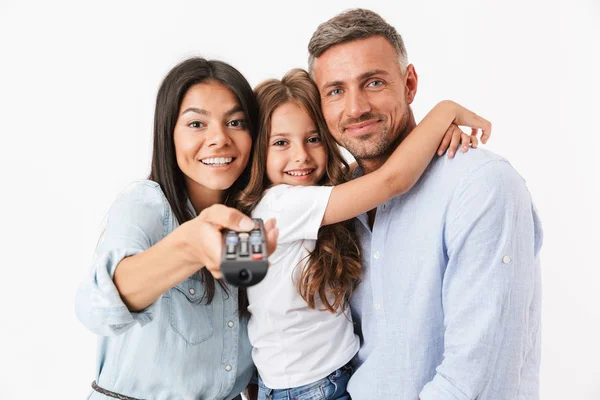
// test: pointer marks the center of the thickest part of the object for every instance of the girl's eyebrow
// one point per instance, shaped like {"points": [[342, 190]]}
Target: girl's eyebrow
{"points": [[284, 134]]}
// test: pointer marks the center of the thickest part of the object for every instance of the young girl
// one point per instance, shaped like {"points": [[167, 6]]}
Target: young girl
{"points": [[302, 337]]}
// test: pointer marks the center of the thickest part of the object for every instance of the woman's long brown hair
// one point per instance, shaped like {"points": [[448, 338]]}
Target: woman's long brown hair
{"points": [[333, 268], [164, 169]]}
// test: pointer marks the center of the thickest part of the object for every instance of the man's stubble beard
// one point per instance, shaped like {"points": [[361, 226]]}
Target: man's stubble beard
{"points": [[379, 144]]}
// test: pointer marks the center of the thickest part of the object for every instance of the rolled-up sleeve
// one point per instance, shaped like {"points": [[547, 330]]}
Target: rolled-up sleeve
{"points": [[490, 292], [135, 222]]}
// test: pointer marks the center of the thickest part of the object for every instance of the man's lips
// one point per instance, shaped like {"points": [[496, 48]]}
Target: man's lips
{"points": [[361, 128]]}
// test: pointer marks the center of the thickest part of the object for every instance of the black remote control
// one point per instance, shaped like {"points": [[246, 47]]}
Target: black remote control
{"points": [[244, 260]]}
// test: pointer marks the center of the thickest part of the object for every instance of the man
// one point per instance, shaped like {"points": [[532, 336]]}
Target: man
{"points": [[449, 305]]}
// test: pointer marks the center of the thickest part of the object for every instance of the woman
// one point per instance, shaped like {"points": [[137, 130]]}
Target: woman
{"points": [[158, 257]]}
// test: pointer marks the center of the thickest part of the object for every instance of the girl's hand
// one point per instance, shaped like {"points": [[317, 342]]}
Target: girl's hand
{"points": [[454, 136], [205, 239]]}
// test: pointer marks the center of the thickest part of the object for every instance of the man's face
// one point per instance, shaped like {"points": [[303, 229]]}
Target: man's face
{"points": [[365, 96]]}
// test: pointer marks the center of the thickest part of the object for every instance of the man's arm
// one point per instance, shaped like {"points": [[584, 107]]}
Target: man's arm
{"points": [[490, 292]]}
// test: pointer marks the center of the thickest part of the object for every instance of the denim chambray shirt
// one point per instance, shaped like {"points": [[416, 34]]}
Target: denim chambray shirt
{"points": [[178, 347], [449, 305]]}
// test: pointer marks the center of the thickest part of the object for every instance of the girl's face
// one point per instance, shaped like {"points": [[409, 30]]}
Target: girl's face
{"points": [[295, 155], [212, 141]]}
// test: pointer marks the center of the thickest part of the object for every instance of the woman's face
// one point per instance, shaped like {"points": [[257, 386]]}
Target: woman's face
{"points": [[212, 140]]}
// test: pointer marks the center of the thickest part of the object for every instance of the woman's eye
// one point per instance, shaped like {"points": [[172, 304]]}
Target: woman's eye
{"points": [[237, 123], [195, 124], [375, 83]]}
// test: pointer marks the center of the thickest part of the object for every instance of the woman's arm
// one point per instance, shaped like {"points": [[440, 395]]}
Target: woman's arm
{"points": [[143, 278], [406, 164]]}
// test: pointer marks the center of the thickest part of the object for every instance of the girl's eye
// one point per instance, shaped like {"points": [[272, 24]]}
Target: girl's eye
{"points": [[237, 123], [280, 143], [195, 124], [314, 139], [375, 84]]}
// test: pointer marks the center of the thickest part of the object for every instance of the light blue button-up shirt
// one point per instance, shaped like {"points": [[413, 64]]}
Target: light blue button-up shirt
{"points": [[449, 304], [178, 347]]}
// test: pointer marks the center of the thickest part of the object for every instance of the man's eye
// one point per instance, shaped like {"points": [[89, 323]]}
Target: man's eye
{"points": [[335, 92], [375, 84], [237, 123], [195, 124]]}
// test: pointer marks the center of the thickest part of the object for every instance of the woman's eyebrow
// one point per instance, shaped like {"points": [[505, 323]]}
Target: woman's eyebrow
{"points": [[196, 110]]}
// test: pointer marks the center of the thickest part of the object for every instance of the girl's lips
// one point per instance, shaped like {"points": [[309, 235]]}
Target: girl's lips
{"points": [[362, 128], [301, 178]]}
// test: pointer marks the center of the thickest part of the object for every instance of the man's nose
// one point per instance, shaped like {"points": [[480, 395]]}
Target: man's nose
{"points": [[357, 104]]}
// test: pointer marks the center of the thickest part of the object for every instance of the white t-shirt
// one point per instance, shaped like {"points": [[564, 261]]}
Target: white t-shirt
{"points": [[295, 345]]}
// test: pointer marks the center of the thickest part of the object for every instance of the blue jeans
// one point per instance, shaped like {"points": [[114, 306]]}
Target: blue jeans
{"points": [[329, 388]]}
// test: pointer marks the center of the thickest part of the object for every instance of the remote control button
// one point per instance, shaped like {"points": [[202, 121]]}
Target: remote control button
{"points": [[255, 239], [244, 249], [257, 248], [243, 235], [257, 256], [230, 248], [231, 240], [230, 256]]}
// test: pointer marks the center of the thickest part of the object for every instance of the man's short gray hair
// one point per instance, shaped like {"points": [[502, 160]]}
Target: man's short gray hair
{"points": [[353, 25]]}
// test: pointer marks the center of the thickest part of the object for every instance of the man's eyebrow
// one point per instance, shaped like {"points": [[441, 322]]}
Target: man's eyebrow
{"points": [[361, 77], [374, 72], [196, 110], [331, 84]]}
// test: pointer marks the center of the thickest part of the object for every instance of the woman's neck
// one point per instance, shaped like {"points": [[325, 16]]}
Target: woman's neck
{"points": [[202, 198]]}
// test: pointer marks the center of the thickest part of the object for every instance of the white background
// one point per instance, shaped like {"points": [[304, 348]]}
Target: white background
{"points": [[77, 90]]}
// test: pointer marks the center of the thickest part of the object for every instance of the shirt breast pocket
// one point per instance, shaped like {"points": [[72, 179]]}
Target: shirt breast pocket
{"points": [[189, 316]]}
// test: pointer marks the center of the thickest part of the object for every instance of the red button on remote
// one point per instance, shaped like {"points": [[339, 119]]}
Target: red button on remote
{"points": [[257, 256]]}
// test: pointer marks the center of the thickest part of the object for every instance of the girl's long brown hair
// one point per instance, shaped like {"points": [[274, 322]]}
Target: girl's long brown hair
{"points": [[333, 268]]}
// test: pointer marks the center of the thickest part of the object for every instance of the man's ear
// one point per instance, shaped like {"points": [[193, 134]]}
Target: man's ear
{"points": [[411, 81]]}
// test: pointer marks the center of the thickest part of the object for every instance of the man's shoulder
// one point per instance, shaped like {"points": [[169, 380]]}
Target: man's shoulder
{"points": [[446, 175], [475, 162], [463, 162]]}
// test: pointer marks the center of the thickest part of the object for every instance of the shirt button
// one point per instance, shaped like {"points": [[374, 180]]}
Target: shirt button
{"points": [[506, 259], [230, 324], [228, 368], [376, 255], [377, 306], [192, 291]]}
